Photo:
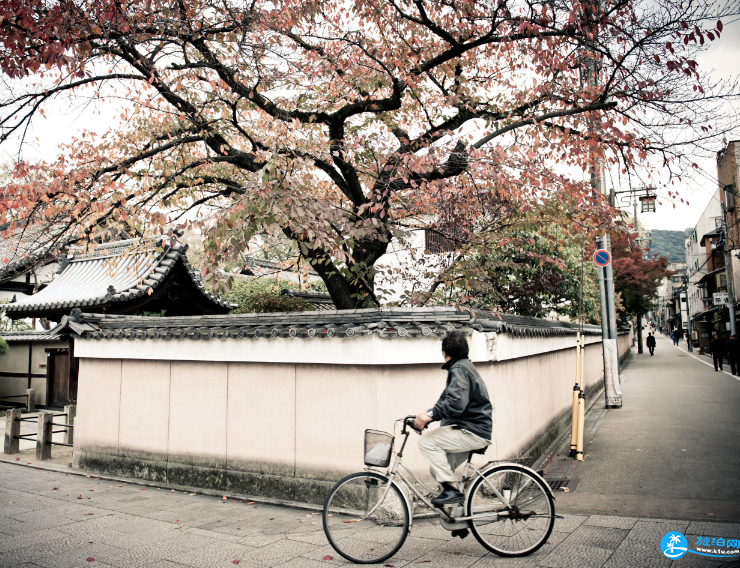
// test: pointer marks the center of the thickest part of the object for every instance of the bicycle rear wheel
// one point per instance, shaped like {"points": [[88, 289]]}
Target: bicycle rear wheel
{"points": [[364, 522], [521, 530]]}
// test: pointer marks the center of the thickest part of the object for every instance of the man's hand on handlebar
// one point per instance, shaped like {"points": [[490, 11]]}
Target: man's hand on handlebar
{"points": [[421, 421]]}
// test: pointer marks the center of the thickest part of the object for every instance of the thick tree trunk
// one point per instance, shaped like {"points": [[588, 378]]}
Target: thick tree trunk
{"points": [[639, 333], [345, 294]]}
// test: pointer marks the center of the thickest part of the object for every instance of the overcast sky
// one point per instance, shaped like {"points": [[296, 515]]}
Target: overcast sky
{"points": [[722, 58]]}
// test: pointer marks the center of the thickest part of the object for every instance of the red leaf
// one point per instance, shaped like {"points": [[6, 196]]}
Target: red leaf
{"points": [[235, 561], [388, 565], [80, 497], [328, 558], [90, 559]]}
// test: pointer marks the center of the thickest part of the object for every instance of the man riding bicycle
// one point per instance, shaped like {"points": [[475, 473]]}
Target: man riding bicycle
{"points": [[466, 413]]}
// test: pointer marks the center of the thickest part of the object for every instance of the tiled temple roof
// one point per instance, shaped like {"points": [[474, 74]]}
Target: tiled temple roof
{"points": [[41, 335], [115, 272], [384, 322]]}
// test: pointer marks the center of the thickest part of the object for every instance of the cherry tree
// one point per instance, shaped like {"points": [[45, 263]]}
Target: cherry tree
{"points": [[345, 124]]}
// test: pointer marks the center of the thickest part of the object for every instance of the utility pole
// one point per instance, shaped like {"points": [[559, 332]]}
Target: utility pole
{"points": [[728, 271], [639, 316]]}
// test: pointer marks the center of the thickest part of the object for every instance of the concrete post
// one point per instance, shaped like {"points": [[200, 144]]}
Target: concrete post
{"points": [[43, 436], [31, 400], [12, 431], [71, 411]]}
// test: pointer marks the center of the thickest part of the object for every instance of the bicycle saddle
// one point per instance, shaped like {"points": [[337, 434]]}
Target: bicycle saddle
{"points": [[480, 451]]}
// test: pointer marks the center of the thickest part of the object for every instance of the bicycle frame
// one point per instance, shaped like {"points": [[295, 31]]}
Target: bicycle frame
{"points": [[469, 468]]}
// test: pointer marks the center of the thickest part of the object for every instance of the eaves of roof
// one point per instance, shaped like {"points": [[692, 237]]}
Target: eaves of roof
{"points": [[384, 322], [30, 336], [115, 272]]}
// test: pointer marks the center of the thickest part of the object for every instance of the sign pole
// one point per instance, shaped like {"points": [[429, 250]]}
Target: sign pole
{"points": [[612, 386]]}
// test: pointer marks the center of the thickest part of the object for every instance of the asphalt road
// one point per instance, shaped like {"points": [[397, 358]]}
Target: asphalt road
{"points": [[672, 450]]}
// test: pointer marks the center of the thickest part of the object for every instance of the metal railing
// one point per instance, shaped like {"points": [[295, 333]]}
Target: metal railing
{"points": [[44, 434], [30, 397]]}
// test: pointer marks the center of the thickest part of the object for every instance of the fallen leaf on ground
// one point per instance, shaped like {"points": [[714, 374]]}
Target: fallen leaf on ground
{"points": [[91, 559], [17, 459], [313, 523], [272, 518], [327, 558], [143, 488], [240, 519], [235, 561], [254, 507], [177, 520], [250, 503], [54, 488], [388, 565], [456, 553], [88, 514], [191, 494], [80, 497], [710, 514], [122, 486]]}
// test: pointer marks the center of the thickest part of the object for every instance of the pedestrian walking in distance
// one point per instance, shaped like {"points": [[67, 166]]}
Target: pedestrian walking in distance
{"points": [[674, 337], [733, 354], [650, 342], [719, 348]]}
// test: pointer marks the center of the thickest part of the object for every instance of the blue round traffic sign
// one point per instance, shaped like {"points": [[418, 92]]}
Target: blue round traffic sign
{"points": [[602, 257]]}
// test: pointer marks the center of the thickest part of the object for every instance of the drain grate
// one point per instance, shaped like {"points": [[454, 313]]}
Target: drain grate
{"points": [[557, 483]]}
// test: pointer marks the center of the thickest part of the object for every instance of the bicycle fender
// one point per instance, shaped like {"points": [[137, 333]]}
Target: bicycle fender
{"points": [[508, 464]]}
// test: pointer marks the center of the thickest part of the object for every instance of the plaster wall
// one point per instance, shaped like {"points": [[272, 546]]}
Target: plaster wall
{"points": [[290, 430]]}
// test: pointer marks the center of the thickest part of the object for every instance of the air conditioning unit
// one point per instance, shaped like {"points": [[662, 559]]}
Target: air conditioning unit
{"points": [[729, 192]]}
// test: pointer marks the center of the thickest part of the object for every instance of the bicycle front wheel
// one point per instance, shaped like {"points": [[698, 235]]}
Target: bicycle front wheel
{"points": [[523, 527], [366, 518]]}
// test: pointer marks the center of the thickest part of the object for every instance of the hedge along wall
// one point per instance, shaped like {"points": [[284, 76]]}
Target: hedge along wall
{"points": [[285, 418]]}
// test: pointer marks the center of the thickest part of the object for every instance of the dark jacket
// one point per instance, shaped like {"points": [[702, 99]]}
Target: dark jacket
{"points": [[719, 347], [465, 401], [733, 349], [650, 341]]}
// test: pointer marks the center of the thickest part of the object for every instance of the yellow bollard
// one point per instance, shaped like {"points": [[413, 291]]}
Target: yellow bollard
{"points": [[581, 418], [576, 390]]}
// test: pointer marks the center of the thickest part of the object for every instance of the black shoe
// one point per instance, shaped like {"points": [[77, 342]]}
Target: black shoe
{"points": [[462, 533], [448, 497]]}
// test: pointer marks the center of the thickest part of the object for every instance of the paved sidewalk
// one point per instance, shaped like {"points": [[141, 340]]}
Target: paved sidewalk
{"points": [[671, 451], [57, 520]]}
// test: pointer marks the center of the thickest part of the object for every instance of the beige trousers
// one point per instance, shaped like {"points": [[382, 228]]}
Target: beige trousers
{"points": [[446, 449]]}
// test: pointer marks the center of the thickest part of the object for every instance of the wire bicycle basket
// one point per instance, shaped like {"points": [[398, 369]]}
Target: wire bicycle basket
{"points": [[378, 448]]}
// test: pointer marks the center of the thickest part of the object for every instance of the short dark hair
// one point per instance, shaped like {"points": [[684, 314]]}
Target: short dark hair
{"points": [[455, 345]]}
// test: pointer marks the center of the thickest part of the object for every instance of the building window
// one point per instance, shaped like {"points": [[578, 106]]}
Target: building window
{"points": [[436, 243]]}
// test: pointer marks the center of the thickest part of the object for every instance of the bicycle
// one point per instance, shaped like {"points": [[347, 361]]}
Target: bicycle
{"points": [[367, 516]]}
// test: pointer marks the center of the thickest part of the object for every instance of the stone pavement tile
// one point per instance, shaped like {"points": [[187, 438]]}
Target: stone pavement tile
{"points": [[443, 559], [93, 525], [598, 537], [140, 556], [494, 561], [725, 530], [279, 552], [469, 545], [318, 538], [259, 540], [633, 553], [652, 532], [215, 535], [565, 556], [216, 555], [22, 540], [569, 523], [308, 563], [39, 520], [612, 522], [76, 512], [162, 564], [77, 556]]}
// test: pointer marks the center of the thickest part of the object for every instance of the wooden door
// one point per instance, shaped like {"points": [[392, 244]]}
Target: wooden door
{"points": [[60, 383]]}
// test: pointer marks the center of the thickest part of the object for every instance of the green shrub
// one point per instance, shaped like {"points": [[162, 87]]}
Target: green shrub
{"points": [[3, 346], [270, 301], [262, 295]]}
